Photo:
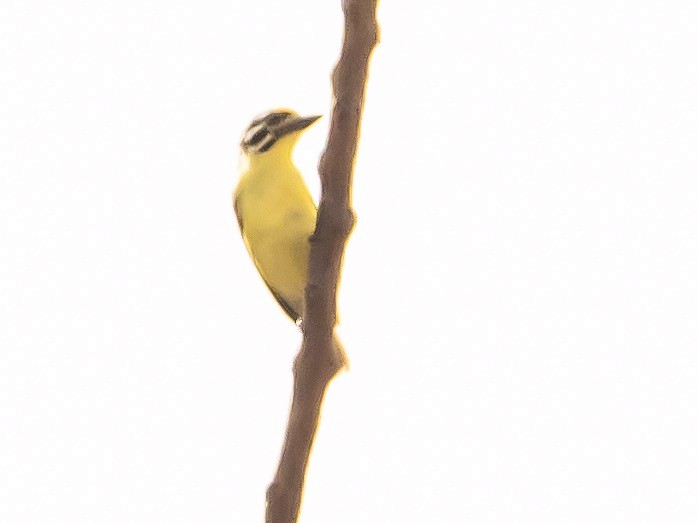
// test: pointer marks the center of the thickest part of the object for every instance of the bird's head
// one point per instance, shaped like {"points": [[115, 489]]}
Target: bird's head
{"points": [[275, 130]]}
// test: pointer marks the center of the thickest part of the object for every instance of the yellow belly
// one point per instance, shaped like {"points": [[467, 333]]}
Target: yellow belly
{"points": [[277, 217]]}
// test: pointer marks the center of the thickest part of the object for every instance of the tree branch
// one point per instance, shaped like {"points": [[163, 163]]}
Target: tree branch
{"points": [[320, 357]]}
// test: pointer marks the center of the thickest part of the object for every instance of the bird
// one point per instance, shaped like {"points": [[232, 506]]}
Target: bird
{"points": [[274, 209]]}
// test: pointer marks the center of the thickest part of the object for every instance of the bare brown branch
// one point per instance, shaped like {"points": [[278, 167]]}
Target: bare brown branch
{"points": [[320, 359]]}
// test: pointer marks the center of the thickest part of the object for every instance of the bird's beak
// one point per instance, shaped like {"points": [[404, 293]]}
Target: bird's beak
{"points": [[291, 125]]}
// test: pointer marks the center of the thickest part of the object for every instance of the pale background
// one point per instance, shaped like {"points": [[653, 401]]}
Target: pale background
{"points": [[519, 296]]}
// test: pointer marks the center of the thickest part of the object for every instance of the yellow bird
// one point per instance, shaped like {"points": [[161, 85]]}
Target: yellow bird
{"points": [[274, 209]]}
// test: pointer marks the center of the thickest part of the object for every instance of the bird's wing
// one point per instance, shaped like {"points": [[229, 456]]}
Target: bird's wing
{"points": [[283, 303], [238, 214]]}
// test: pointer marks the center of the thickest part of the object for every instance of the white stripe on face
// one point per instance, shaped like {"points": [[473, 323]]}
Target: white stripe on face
{"points": [[251, 132], [265, 144], [259, 138]]}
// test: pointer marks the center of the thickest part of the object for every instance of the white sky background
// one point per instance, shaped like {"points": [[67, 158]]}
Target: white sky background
{"points": [[519, 296]]}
